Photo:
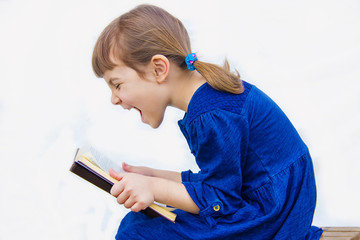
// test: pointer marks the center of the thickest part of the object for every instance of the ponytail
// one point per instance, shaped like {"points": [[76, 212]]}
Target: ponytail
{"points": [[220, 78]]}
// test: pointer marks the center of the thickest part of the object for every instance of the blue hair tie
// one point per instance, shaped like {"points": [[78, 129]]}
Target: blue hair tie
{"points": [[190, 59]]}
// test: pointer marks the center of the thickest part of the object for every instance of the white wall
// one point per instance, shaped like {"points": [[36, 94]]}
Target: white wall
{"points": [[304, 54]]}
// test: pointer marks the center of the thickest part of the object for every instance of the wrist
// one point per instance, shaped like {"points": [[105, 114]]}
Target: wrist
{"points": [[159, 189]]}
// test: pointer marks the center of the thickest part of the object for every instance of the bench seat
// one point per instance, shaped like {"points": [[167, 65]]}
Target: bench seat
{"points": [[341, 233]]}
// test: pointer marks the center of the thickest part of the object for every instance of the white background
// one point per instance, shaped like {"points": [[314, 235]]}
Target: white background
{"points": [[303, 54]]}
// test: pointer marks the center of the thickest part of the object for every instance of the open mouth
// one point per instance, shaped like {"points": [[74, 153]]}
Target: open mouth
{"points": [[141, 115], [139, 111]]}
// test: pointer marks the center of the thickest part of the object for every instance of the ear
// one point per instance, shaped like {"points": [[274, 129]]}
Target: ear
{"points": [[160, 67]]}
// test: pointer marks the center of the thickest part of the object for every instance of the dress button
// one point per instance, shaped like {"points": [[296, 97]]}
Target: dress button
{"points": [[216, 208]]}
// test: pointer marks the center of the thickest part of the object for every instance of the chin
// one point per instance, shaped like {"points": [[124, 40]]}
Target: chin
{"points": [[156, 124]]}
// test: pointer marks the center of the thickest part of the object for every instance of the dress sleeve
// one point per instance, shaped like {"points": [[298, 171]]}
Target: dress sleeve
{"points": [[218, 140]]}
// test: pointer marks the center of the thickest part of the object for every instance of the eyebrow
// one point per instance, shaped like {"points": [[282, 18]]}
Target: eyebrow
{"points": [[112, 79]]}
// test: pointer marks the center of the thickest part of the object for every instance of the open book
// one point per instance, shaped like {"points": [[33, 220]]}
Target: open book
{"points": [[94, 167]]}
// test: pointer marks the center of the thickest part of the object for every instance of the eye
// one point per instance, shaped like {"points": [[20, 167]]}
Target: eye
{"points": [[117, 86]]}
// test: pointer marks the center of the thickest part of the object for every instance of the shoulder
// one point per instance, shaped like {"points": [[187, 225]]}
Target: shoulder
{"points": [[207, 99]]}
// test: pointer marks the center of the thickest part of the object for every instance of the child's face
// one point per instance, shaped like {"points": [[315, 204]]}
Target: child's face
{"points": [[143, 94]]}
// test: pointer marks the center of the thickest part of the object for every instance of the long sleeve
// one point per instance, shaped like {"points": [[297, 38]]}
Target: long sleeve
{"points": [[219, 148]]}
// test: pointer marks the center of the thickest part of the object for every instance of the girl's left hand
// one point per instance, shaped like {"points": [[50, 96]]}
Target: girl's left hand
{"points": [[133, 190]]}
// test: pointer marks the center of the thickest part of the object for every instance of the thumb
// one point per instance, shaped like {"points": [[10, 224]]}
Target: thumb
{"points": [[114, 174]]}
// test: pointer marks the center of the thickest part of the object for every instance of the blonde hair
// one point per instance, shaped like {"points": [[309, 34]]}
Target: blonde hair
{"points": [[136, 36]]}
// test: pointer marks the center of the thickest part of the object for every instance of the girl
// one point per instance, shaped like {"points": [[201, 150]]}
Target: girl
{"points": [[256, 178]]}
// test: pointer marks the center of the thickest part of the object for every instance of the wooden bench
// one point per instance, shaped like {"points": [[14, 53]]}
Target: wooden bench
{"points": [[341, 233]]}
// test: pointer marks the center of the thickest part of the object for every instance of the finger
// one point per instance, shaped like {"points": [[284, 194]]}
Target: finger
{"points": [[123, 198], [129, 202], [135, 169], [115, 174], [128, 168], [138, 206], [117, 189]]}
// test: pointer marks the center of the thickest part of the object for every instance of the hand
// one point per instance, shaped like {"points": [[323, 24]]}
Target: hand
{"points": [[138, 169], [170, 175], [133, 190]]}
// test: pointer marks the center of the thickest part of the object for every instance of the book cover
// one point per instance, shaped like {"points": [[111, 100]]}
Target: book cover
{"points": [[90, 165]]}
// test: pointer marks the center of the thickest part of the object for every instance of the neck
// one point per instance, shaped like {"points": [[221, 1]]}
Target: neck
{"points": [[184, 85]]}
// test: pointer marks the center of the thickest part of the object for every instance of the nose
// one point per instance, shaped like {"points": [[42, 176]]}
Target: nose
{"points": [[115, 100]]}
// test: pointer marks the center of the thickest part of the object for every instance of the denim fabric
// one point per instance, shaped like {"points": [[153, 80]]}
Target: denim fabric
{"points": [[256, 178]]}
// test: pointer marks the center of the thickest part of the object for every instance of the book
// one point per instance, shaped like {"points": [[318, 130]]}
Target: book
{"points": [[92, 166]]}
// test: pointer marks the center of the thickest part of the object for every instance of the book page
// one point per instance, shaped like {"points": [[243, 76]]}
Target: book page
{"points": [[100, 160]]}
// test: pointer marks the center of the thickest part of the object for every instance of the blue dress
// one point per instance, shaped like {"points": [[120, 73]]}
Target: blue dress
{"points": [[256, 178]]}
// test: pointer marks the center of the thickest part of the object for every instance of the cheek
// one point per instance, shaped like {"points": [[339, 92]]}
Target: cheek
{"points": [[152, 103], [135, 99], [127, 95]]}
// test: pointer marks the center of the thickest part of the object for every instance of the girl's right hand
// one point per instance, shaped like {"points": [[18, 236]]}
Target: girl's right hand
{"points": [[134, 190]]}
